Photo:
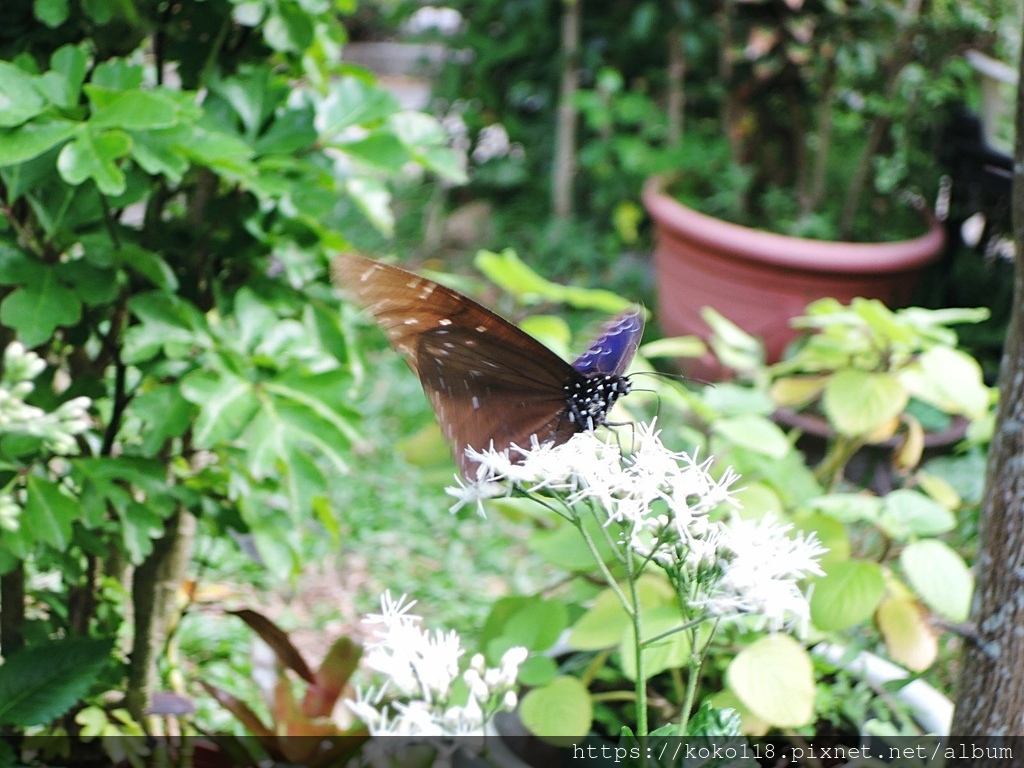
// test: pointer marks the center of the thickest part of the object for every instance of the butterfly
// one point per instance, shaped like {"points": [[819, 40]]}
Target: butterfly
{"points": [[490, 384]]}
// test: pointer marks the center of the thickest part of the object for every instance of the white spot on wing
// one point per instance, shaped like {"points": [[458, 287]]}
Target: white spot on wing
{"points": [[444, 321]]}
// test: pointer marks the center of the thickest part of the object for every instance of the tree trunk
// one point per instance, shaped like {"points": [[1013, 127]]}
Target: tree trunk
{"points": [[565, 137], [154, 589], [990, 700]]}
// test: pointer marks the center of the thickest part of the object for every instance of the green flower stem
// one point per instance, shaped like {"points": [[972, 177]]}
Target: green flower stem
{"points": [[641, 680], [608, 577]]}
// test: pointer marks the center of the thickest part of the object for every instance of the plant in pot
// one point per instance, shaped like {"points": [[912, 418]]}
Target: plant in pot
{"points": [[808, 181]]}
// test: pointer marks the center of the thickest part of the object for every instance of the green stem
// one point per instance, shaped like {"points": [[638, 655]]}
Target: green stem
{"points": [[641, 682], [607, 573]]}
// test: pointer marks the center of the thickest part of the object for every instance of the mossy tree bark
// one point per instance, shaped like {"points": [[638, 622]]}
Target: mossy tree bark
{"points": [[154, 591], [990, 700]]}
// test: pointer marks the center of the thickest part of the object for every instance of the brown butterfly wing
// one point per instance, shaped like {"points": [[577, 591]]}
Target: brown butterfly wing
{"points": [[488, 382]]}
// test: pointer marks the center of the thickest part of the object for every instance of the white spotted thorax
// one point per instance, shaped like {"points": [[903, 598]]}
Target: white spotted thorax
{"points": [[589, 402]]}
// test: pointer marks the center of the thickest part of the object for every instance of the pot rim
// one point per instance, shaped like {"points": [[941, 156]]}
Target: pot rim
{"points": [[746, 243]]}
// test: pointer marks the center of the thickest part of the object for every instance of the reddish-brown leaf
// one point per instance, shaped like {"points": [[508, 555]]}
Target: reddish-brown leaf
{"points": [[277, 639], [332, 677]]}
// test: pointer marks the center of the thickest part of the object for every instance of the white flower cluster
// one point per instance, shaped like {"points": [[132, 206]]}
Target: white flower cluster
{"points": [[421, 670], [446, 21], [17, 417], [659, 502]]}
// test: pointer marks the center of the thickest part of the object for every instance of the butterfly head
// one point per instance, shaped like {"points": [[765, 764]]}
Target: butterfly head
{"points": [[590, 398]]}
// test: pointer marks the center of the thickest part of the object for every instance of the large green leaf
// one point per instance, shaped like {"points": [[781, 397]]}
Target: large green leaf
{"points": [[670, 652], [562, 708], [134, 110], [753, 432], [19, 99], [847, 594], [45, 680], [62, 85], [774, 678], [353, 102], [95, 155], [858, 403], [907, 513], [36, 310], [25, 142], [940, 576], [49, 513], [227, 403]]}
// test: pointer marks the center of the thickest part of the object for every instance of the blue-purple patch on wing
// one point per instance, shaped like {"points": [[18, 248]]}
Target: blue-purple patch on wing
{"points": [[613, 350]]}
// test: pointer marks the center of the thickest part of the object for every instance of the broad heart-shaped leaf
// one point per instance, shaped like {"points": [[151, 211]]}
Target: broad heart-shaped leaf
{"points": [[755, 433], [162, 151], [847, 594], [537, 625], [562, 708], [939, 575], [45, 680], [774, 677], [94, 155], [858, 403], [908, 634], [36, 310], [670, 652], [18, 145], [602, 625], [19, 99], [948, 379], [907, 513], [49, 513]]}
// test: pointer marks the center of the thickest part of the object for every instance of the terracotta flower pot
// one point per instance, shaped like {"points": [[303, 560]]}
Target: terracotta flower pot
{"points": [[760, 280]]}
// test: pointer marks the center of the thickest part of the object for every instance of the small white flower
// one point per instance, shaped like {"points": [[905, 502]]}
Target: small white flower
{"points": [[492, 142], [759, 578], [477, 493]]}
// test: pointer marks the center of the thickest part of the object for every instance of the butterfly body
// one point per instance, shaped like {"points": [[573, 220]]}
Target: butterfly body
{"points": [[490, 384]]}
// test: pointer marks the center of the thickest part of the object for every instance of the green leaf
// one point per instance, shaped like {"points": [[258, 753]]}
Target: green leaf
{"points": [[774, 678], [134, 110], [908, 513], [94, 156], [353, 102], [48, 513], [536, 626], [848, 507], [566, 548], [670, 652], [537, 671], [62, 85], [374, 200], [92, 285], [677, 346], [940, 576], [510, 273], [755, 433], [33, 139], [858, 403], [602, 625], [162, 151], [150, 265], [19, 99], [227, 403], [446, 162], [140, 527], [17, 267], [52, 13], [35, 311], [847, 594], [44, 681], [562, 708], [949, 380], [381, 150]]}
